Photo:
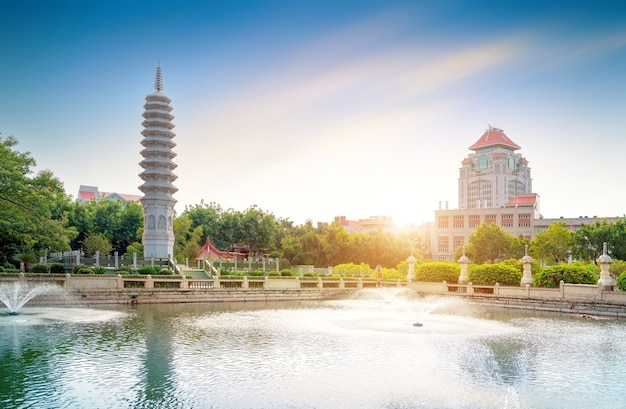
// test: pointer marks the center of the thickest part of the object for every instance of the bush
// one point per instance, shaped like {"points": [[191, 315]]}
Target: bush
{"points": [[490, 274], [289, 273], [164, 271], [10, 266], [437, 272], [76, 269], [617, 267], [84, 270], [125, 270], [57, 268], [577, 273], [147, 270], [40, 269], [283, 263], [353, 270], [273, 274], [99, 270], [621, 282]]}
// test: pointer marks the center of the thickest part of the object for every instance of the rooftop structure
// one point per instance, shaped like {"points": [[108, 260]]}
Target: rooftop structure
{"points": [[87, 193]]}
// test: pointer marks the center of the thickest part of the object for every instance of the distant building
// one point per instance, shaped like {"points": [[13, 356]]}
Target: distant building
{"points": [[373, 223], [495, 186], [87, 193]]}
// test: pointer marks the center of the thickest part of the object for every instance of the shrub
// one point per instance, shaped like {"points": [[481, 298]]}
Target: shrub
{"points": [[57, 268], [1, 269], [490, 274], [165, 271], [76, 269], [99, 270], [147, 270], [577, 273], [84, 270], [437, 272], [125, 270], [289, 273], [273, 274], [283, 263], [617, 267], [353, 270], [40, 269], [621, 282]]}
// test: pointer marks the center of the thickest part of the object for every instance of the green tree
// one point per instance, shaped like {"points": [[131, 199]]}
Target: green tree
{"points": [[97, 242], [490, 243], [31, 206], [552, 244]]}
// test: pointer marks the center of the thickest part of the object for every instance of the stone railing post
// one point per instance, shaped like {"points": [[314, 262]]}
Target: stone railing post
{"points": [[149, 283], [116, 261], [184, 284], [134, 261], [120, 282], [245, 283], [320, 283], [67, 284], [97, 258], [342, 284]]}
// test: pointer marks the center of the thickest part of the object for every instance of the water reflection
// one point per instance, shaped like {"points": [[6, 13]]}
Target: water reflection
{"points": [[361, 353]]}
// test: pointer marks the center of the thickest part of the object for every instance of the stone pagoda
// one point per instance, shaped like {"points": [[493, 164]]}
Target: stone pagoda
{"points": [[158, 177]]}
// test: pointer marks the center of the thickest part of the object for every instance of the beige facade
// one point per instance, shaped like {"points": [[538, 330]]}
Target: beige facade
{"points": [[494, 187]]}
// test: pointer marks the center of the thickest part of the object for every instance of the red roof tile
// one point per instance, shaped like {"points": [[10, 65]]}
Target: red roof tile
{"points": [[523, 200], [86, 195], [494, 137]]}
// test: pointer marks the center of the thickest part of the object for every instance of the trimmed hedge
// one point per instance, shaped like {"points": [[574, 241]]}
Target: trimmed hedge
{"points": [[551, 276], [40, 269], [490, 274], [437, 272], [57, 268]]}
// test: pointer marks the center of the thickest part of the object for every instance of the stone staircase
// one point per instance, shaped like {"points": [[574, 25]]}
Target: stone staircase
{"points": [[193, 272]]}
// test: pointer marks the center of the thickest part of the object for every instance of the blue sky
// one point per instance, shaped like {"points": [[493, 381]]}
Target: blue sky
{"points": [[316, 109]]}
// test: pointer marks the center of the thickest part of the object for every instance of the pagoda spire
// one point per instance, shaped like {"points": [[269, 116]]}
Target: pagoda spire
{"points": [[158, 78]]}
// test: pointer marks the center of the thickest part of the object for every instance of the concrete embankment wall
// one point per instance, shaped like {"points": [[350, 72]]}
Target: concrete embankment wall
{"points": [[568, 298], [593, 308], [141, 296]]}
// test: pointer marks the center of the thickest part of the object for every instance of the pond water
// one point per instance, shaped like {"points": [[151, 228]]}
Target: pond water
{"points": [[359, 353]]}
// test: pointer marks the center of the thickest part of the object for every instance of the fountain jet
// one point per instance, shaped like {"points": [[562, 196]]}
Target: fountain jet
{"points": [[16, 294]]}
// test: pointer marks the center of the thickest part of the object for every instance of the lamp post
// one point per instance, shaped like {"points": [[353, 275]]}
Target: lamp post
{"points": [[527, 278], [411, 274], [606, 282], [463, 261]]}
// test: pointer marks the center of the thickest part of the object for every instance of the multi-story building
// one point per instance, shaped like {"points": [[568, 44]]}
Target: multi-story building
{"points": [[494, 174], [494, 187]]}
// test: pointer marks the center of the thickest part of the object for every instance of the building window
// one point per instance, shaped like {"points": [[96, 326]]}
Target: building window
{"points": [[442, 222]]}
